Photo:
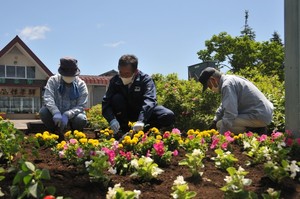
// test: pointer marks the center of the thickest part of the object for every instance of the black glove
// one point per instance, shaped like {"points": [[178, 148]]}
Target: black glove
{"points": [[213, 125]]}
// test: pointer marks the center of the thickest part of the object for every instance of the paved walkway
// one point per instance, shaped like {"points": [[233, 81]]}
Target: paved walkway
{"points": [[22, 124]]}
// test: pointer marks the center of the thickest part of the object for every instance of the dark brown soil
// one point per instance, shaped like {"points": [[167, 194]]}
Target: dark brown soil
{"points": [[70, 181]]}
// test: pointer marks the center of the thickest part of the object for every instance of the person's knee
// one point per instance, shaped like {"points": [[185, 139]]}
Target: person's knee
{"points": [[79, 122], [167, 118]]}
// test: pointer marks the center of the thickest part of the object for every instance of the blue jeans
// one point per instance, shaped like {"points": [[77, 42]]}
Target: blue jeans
{"points": [[76, 123]]}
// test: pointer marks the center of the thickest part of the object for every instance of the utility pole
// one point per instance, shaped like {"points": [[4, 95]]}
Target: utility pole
{"points": [[292, 66]]}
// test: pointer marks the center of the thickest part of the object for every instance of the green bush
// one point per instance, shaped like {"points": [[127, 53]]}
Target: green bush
{"points": [[195, 109], [95, 117], [192, 108]]}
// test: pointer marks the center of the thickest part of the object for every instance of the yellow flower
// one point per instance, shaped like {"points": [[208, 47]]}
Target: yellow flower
{"points": [[38, 135], [191, 132], [68, 133], [120, 146], [158, 137], [83, 140]]}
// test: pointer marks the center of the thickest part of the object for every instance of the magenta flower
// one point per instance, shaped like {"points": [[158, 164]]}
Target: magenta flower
{"points": [[214, 142], [249, 134], [262, 138], [175, 152], [298, 140], [159, 148], [166, 134], [229, 139], [79, 152], [289, 141], [111, 155], [224, 145]]}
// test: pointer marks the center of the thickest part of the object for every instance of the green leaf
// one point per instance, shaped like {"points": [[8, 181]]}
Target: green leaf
{"points": [[45, 174], [27, 179], [30, 166], [33, 190], [50, 190]]}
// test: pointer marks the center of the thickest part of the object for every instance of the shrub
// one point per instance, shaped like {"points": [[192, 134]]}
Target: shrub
{"points": [[95, 117]]}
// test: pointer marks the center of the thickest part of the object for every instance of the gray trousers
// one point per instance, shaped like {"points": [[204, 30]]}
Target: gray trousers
{"points": [[76, 123]]}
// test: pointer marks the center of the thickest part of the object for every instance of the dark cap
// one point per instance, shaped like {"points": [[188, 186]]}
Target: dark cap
{"points": [[68, 67], [205, 75]]}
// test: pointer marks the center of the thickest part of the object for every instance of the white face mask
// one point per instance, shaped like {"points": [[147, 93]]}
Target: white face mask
{"points": [[127, 80], [68, 80]]}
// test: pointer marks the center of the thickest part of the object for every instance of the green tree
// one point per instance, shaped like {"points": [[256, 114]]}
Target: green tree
{"points": [[243, 52]]}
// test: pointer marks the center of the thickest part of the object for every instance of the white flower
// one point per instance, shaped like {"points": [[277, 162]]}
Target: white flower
{"points": [[137, 193], [156, 171], [294, 168], [88, 163], [148, 160], [175, 195], [246, 144], [228, 179], [179, 181], [196, 152], [112, 170], [112, 191], [135, 163], [247, 181]]}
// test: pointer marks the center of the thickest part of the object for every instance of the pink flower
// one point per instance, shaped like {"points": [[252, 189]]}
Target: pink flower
{"points": [[298, 140], [79, 152], [191, 137], [214, 142], [176, 131], [175, 152], [159, 148], [289, 133], [262, 138], [289, 141], [276, 135], [229, 139], [148, 153], [166, 134], [111, 155], [249, 134], [73, 141], [224, 145], [227, 133]]}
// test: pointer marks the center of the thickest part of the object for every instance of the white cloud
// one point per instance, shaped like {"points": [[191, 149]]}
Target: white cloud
{"points": [[34, 32], [114, 45]]}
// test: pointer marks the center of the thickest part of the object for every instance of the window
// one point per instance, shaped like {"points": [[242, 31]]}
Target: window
{"points": [[2, 71], [20, 71], [10, 71], [30, 72]]}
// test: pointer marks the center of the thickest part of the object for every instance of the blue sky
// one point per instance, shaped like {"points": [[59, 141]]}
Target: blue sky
{"points": [[164, 34]]}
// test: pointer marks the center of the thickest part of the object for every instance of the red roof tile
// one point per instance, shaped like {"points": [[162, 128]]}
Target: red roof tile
{"points": [[93, 79]]}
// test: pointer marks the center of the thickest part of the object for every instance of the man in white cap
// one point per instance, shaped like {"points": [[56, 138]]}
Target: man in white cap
{"points": [[243, 106], [65, 99]]}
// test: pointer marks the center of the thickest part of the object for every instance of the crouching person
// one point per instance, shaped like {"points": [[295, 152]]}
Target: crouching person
{"points": [[65, 99]]}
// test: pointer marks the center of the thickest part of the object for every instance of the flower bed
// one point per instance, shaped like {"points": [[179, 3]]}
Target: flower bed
{"points": [[167, 164]]}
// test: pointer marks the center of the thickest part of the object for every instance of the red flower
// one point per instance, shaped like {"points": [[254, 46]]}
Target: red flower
{"points": [[49, 197]]}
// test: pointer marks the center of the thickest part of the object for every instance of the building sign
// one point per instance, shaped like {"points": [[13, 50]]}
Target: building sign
{"points": [[19, 92]]}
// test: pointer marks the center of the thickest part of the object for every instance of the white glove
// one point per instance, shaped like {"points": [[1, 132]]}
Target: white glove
{"points": [[138, 126], [114, 125]]}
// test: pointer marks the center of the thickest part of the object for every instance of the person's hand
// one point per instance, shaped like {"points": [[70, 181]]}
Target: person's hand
{"points": [[138, 126], [64, 120], [213, 125], [114, 125], [57, 119]]}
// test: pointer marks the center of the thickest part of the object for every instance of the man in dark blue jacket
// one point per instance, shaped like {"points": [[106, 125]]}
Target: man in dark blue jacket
{"points": [[131, 96]]}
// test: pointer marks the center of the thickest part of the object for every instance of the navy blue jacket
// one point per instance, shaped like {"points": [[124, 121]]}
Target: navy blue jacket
{"points": [[140, 96]]}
